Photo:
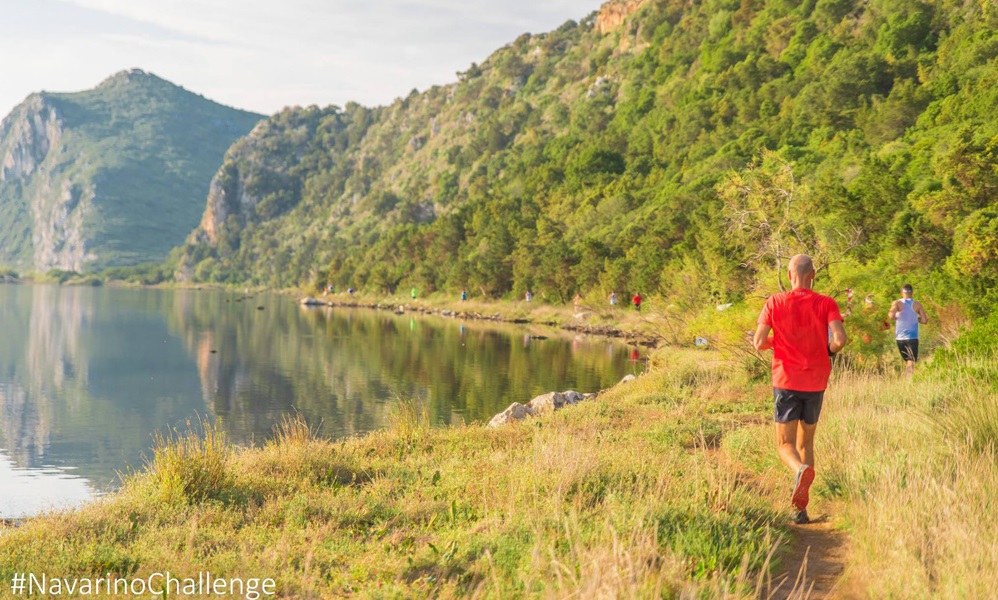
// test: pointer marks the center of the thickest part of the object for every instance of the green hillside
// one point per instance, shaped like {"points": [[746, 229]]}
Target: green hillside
{"points": [[115, 175], [672, 148]]}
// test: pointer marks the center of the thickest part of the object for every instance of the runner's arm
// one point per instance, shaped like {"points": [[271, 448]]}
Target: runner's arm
{"points": [[892, 314], [761, 340], [839, 339], [923, 318]]}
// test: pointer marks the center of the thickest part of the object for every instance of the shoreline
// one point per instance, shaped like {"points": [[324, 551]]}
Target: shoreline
{"points": [[413, 510], [620, 322], [637, 338]]}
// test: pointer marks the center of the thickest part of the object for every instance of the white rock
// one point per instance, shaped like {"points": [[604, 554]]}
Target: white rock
{"points": [[628, 377], [515, 412], [546, 403]]}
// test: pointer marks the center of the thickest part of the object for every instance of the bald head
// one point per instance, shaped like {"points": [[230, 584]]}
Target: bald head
{"points": [[801, 271]]}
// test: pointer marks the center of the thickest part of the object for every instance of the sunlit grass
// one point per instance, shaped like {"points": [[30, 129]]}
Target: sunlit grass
{"points": [[651, 322], [191, 465], [667, 486], [597, 499], [908, 468]]}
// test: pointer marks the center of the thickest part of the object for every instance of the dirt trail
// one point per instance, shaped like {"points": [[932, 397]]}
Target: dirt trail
{"points": [[813, 565], [812, 562]]}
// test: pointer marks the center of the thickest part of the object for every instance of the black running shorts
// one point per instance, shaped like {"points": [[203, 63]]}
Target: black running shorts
{"points": [[797, 406], [908, 349]]}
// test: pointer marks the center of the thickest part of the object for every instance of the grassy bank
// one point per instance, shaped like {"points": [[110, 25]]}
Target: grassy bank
{"points": [[665, 486], [908, 469], [652, 325]]}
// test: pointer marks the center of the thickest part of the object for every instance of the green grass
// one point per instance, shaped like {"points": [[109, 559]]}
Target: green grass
{"points": [[654, 323], [667, 486], [595, 499], [191, 466], [907, 467]]}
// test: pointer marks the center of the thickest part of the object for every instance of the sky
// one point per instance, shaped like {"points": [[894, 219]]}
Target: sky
{"points": [[262, 55]]}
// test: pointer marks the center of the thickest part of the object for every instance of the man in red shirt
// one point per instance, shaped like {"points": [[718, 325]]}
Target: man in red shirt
{"points": [[801, 321]]}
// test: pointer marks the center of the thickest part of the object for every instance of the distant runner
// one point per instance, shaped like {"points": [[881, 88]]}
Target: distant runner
{"points": [[907, 314], [636, 300], [800, 321]]}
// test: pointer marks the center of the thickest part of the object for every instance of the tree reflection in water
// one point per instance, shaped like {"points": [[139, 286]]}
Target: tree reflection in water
{"points": [[87, 375]]}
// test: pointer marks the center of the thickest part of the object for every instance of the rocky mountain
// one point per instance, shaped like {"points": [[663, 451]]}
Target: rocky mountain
{"points": [[111, 176], [664, 146]]}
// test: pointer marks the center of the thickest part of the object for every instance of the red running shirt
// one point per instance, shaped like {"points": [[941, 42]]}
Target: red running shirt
{"points": [[800, 319]]}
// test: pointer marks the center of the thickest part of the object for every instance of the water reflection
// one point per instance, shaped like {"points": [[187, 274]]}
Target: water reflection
{"points": [[88, 374], [28, 491]]}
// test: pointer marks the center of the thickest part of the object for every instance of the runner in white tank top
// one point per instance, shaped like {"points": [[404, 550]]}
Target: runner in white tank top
{"points": [[907, 314]]}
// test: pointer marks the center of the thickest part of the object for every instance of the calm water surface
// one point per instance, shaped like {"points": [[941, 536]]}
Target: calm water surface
{"points": [[89, 375]]}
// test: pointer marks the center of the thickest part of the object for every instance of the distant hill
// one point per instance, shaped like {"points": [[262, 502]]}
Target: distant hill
{"points": [[111, 176], [670, 147]]}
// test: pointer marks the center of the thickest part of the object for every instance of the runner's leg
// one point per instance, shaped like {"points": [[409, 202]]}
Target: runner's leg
{"points": [[786, 445], [805, 442]]}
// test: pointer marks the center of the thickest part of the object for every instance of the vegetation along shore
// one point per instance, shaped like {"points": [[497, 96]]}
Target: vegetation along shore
{"points": [[665, 485], [680, 151], [645, 329]]}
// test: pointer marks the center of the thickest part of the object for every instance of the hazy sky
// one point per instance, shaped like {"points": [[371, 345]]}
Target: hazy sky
{"points": [[262, 55]]}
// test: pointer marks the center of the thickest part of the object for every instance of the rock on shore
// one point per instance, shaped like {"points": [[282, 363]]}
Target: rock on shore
{"points": [[544, 403]]}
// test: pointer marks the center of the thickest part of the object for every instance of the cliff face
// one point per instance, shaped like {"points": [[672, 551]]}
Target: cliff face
{"points": [[29, 135], [227, 193], [263, 175], [613, 14], [110, 176], [59, 237], [50, 209]]}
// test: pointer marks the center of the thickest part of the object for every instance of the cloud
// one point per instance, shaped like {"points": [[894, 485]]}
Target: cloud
{"points": [[313, 19], [265, 54]]}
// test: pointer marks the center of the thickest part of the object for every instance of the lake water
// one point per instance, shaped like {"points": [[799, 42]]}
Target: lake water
{"points": [[89, 375]]}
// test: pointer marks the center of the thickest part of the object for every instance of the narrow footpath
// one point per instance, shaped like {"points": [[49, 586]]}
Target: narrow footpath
{"points": [[811, 562], [814, 565]]}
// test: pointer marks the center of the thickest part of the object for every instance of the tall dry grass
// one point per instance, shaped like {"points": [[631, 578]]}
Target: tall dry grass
{"points": [[917, 462], [907, 467], [667, 486], [191, 465]]}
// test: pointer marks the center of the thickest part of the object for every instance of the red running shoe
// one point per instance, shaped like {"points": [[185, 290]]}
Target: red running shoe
{"points": [[805, 476]]}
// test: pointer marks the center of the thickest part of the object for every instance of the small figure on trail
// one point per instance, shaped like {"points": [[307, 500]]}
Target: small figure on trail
{"points": [[636, 300], [613, 298], [800, 321], [464, 295], [577, 302], [907, 314], [412, 293], [528, 296]]}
